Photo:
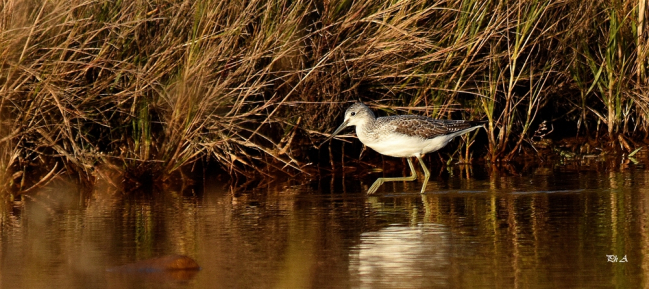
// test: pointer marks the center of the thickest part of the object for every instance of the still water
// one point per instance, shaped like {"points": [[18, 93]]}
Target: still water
{"points": [[550, 226]]}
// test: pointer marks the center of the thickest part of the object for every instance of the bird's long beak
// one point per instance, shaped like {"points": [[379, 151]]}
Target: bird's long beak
{"points": [[341, 127]]}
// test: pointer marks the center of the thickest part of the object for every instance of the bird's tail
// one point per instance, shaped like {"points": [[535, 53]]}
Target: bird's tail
{"points": [[474, 125]]}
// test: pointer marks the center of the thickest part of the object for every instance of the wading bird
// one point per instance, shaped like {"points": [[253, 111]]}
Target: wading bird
{"points": [[403, 136]]}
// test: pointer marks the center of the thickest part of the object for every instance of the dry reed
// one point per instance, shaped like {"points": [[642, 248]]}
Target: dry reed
{"points": [[152, 86]]}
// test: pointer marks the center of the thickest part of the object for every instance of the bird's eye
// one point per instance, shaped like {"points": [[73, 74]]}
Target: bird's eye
{"points": [[353, 113]]}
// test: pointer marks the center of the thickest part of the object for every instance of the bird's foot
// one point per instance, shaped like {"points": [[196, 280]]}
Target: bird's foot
{"points": [[375, 186]]}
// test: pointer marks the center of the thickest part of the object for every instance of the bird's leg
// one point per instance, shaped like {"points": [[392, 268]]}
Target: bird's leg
{"points": [[426, 173], [380, 181]]}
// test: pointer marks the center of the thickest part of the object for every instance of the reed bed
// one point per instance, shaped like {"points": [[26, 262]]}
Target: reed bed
{"points": [[149, 87]]}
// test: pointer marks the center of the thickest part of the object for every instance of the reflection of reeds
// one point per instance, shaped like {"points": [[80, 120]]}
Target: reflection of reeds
{"points": [[527, 232], [153, 86]]}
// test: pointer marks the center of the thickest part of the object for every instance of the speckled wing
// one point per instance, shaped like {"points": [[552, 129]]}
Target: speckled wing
{"points": [[428, 128]]}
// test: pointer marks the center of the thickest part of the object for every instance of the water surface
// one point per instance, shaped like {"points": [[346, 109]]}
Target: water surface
{"points": [[476, 227]]}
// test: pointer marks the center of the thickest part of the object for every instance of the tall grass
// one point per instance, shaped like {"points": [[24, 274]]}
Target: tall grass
{"points": [[152, 86]]}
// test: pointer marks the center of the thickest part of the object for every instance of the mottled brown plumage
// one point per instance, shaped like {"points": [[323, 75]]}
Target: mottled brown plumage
{"points": [[428, 128]]}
